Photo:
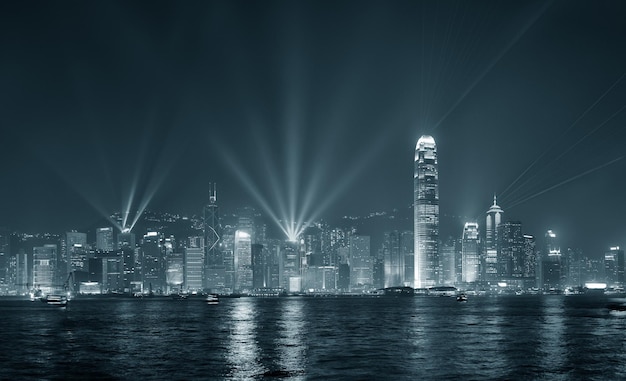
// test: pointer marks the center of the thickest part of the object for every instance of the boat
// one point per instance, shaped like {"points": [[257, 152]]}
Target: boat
{"points": [[212, 299], [461, 298], [55, 300]]}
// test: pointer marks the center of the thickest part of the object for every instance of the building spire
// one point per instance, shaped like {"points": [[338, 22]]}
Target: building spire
{"points": [[494, 199], [212, 192]]}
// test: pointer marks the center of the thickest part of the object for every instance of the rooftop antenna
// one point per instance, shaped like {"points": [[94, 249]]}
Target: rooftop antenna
{"points": [[212, 192]]}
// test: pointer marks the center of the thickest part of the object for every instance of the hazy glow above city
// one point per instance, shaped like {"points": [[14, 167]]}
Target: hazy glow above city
{"points": [[309, 113]]}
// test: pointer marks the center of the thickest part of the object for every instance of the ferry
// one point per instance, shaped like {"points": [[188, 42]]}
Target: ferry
{"points": [[55, 300], [212, 299]]}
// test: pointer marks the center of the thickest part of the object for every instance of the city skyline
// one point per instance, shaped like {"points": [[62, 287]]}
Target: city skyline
{"points": [[313, 119]]}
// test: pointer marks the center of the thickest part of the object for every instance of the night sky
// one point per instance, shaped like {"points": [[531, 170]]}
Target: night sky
{"points": [[524, 98]]}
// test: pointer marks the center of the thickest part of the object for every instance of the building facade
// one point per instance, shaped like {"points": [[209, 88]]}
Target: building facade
{"points": [[470, 253], [491, 268], [426, 213], [215, 269]]}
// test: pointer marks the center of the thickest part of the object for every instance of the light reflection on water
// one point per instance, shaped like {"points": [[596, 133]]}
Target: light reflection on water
{"points": [[289, 339], [243, 350], [521, 338], [552, 346]]}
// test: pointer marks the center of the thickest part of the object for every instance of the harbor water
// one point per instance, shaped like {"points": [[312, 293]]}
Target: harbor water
{"points": [[527, 337]]}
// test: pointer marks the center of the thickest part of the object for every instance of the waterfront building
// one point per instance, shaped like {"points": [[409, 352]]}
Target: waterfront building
{"points": [[44, 262], [194, 264], [551, 262], [153, 262], [575, 267], [243, 261], [451, 262], [320, 279], [112, 272], [228, 251], [511, 256], [215, 269], [614, 266], [260, 266], [470, 252], [126, 239], [312, 246], [174, 274], [491, 265], [75, 258], [426, 213], [530, 256], [289, 266], [393, 259], [5, 254], [104, 239], [22, 278], [360, 261], [407, 245]]}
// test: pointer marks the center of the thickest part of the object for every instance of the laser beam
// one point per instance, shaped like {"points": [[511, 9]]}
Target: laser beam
{"points": [[566, 181], [580, 117], [493, 63]]}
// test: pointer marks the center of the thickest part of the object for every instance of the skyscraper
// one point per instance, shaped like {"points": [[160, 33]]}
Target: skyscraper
{"points": [[551, 262], [614, 266], [470, 252], [76, 255], [511, 250], [153, 262], [104, 239], [44, 261], [243, 261], [530, 256], [360, 259], [194, 262], [214, 259], [490, 256], [426, 213], [393, 259]]}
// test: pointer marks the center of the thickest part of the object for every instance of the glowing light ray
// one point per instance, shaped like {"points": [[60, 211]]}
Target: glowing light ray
{"points": [[154, 185], [294, 118], [567, 150], [271, 172], [591, 132], [444, 59], [131, 197], [494, 62], [82, 193], [250, 186], [315, 181], [309, 197], [566, 181], [358, 167], [591, 107], [293, 163], [143, 148]]}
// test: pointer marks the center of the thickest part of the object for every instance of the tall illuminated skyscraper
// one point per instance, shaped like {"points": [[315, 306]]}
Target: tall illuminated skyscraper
{"points": [[426, 213], [470, 252], [213, 257], [614, 266], [490, 256], [551, 262], [243, 261]]}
